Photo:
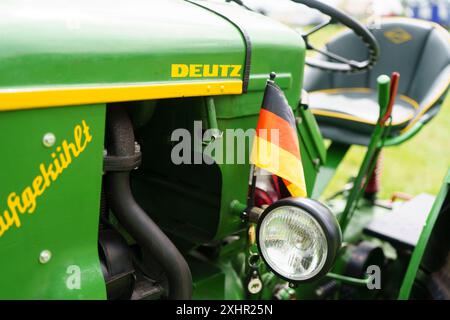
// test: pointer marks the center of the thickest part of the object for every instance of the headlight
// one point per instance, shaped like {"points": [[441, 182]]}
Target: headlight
{"points": [[298, 239]]}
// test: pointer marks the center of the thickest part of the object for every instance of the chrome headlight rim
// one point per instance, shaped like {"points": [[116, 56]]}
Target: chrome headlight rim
{"points": [[327, 222]]}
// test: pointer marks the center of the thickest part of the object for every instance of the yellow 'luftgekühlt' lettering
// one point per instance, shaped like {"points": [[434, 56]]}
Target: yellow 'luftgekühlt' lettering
{"points": [[26, 201]]}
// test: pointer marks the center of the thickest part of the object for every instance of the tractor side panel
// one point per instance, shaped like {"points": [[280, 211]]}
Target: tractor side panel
{"points": [[429, 260], [49, 203]]}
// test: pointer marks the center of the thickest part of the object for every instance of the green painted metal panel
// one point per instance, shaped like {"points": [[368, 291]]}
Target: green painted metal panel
{"points": [[335, 154], [421, 246], [48, 43], [314, 135], [60, 205]]}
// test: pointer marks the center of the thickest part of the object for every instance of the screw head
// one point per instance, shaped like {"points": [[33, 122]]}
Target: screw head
{"points": [[45, 256], [49, 140]]}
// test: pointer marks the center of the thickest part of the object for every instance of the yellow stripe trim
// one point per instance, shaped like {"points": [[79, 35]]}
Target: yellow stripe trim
{"points": [[24, 98], [343, 90], [427, 107], [332, 114], [280, 162], [409, 100]]}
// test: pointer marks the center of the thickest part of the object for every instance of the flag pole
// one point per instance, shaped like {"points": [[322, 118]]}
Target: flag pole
{"points": [[251, 194]]}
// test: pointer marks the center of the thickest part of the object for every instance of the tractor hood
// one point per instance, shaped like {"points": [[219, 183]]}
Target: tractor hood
{"points": [[72, 44]]}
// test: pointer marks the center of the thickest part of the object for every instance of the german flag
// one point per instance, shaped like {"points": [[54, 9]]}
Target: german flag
{"points": [[276, 147]]}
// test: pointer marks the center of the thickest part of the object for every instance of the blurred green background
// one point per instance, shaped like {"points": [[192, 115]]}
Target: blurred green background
{"points": [[418, 165]]}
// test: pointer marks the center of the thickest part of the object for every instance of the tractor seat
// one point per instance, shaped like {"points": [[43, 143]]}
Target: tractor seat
{"points": [[357, 109], [346, 105]]}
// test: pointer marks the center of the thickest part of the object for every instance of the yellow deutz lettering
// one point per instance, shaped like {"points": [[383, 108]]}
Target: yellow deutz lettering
{"points": [[180, 70], [195, 70], [206, 70], [211, 70], [235, 70]]}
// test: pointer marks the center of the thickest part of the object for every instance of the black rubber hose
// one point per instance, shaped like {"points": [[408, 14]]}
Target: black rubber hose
{"points": [[133, 218]]}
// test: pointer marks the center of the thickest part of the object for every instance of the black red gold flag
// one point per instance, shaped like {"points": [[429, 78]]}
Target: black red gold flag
{"points": [[276, 147]]}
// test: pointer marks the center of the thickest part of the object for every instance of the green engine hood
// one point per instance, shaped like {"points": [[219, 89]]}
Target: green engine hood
{"points": [[97, 41], [65, 45]]}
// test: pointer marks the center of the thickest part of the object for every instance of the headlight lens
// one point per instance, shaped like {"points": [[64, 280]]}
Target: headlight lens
{"points": [[293, 243], [298, 238]]}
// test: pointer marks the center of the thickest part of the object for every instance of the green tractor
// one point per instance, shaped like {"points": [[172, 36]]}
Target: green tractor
{"points": [[97, 97]]}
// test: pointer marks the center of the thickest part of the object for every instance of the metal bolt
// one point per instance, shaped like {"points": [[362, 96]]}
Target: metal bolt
{"points": [[45, 256], [244, 216], [49, 139]]}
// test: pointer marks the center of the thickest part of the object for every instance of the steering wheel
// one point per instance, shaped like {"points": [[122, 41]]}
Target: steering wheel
{"points": [[337, 63]]}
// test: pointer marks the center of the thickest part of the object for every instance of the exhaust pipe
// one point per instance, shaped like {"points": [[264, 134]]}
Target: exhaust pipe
{"points": [[132, 217]]}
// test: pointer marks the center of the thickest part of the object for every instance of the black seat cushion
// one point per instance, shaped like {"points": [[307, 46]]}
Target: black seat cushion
{"points": [[356, 110]]}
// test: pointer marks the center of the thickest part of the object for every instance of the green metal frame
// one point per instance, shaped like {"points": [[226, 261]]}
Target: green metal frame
{"points": [[421, 247], [66, 215], [335, 154]]}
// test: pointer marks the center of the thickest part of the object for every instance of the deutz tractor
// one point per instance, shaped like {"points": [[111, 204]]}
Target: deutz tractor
{"points": [[97, 96]]}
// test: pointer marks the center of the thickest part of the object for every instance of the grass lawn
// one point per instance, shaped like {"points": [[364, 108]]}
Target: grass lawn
{"points": [[418, 165]]}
